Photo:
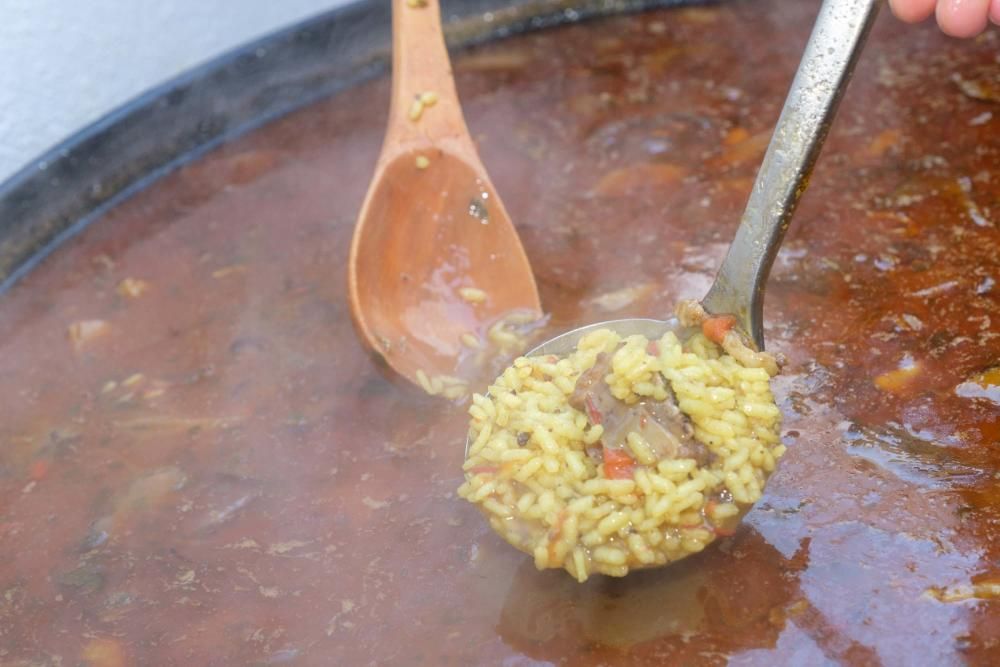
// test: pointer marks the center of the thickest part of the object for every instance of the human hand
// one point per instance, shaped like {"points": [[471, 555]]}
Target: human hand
{"points": [[958, 18]]}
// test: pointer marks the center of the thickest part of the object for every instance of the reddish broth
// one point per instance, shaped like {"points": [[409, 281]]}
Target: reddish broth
{"points": [[262, 494]]}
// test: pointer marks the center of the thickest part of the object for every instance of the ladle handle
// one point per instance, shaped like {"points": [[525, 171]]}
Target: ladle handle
{"points": [[420, 66], [826, 66]]}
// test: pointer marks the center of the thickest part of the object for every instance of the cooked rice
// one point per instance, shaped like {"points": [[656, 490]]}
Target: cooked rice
{"points": [[529, 472], [416, 110], [442, 385], [472, 294], [421, 102], [471, 341]]}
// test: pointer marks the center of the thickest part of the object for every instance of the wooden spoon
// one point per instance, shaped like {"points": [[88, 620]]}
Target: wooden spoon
{"points": [[432, 225]]}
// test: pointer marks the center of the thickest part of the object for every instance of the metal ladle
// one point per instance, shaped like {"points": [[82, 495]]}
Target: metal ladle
{"points": [[826, 66]]}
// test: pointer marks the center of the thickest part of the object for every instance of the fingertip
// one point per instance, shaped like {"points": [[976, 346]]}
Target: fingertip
{"points": [[912, 11], [995, 12], [963, 18]]}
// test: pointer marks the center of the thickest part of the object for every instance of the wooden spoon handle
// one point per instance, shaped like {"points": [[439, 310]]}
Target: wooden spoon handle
{"points": [[425, 108]]}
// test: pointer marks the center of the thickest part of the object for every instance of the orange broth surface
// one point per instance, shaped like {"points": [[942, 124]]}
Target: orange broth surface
{"points": [[203, 467]]}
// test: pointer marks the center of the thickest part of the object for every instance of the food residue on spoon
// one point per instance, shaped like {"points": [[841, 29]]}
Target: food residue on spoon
{"points": [[471, 341], [472, 294], [483, 353], [442, 385], [421, 102]]}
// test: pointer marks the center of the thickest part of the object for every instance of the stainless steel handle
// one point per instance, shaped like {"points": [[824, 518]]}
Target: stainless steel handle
{"points": [[826, 66]]}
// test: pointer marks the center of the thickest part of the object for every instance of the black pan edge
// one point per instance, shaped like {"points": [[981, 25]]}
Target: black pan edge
{"points": [[61, 192]]}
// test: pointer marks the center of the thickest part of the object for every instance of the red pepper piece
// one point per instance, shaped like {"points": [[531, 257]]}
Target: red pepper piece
{"points": [[39, 469], [716, 328], [618, 464]]}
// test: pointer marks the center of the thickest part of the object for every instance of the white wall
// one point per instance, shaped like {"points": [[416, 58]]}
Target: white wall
{"points": [[65, 63]]}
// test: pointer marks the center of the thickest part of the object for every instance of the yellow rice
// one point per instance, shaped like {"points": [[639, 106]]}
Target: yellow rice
{"points": [[548, 498]]}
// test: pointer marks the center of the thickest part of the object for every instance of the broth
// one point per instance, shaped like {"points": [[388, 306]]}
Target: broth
{"points": [[210, 470]]}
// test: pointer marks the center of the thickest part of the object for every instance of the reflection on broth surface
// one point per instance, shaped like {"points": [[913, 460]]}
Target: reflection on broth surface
{"points": [[209, 470]]}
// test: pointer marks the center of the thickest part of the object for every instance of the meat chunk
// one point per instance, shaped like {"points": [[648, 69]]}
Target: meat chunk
{"points": [[591, 395], [661, 423]]}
